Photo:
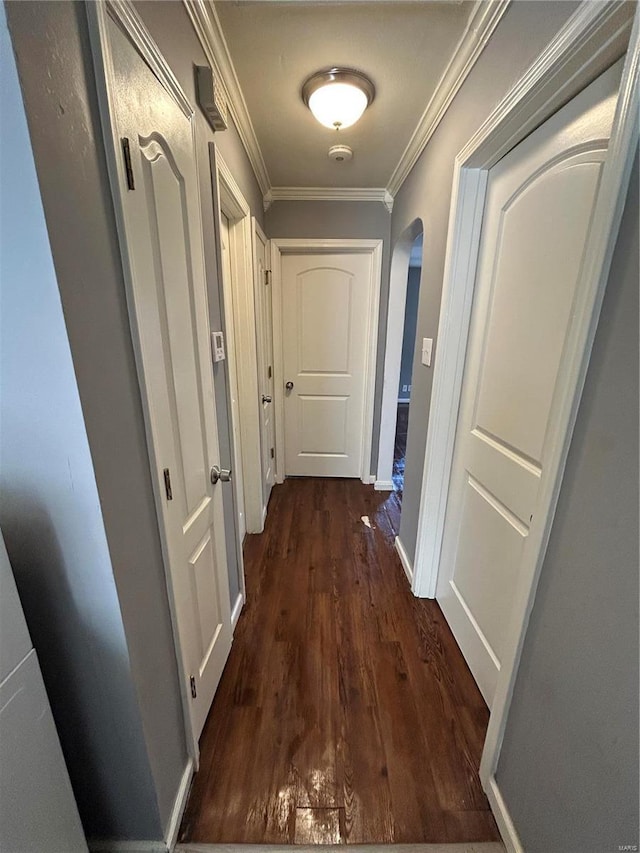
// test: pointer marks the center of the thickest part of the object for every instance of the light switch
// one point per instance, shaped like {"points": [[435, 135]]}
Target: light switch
{"points": [[427, 347]]}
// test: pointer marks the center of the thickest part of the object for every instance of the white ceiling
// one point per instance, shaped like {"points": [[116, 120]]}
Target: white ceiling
{"points": [[403, 46]]}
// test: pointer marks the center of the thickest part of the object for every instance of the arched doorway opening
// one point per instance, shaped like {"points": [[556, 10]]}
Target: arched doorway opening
{"points": [[404, 289]]}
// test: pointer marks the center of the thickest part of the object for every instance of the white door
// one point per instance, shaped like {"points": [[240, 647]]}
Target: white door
{"points": [[164, 242], [539, 203], [264, 334], [325, 310], [225, 247]]}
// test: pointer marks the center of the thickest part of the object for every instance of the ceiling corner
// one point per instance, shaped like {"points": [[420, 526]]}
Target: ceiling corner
{"points": [[208, 29], [481, 24]]}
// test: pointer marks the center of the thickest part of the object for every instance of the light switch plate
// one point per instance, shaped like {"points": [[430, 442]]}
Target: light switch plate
{"points": [[427, 349]]}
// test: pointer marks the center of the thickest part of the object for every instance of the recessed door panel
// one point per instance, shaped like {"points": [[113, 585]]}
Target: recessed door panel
{"points": [[169, 227], [487, 560], [323, 427], [533, 291], [324, 318], [206, 597]]}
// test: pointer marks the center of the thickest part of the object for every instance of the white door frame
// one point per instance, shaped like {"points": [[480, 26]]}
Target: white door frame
{"points": [[234, 417], [398, 281], [261, 336], [315, 246], [592, 39], [240, 323], [126, 17]]}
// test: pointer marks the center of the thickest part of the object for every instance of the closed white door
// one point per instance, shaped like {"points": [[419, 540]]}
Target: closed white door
{"points": [[164, 240], [538, 209], [325, 309], [225, 247], [264, 334]]}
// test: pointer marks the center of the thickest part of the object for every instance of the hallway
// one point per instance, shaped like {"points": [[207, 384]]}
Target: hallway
{"points": [[346, 713]]}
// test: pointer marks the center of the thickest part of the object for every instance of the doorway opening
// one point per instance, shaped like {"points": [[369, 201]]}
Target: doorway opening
{"points": [[406, 364], [404, 291]]}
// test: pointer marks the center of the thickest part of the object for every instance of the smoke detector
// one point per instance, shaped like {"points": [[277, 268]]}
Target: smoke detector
{"points": [[340, 153]]}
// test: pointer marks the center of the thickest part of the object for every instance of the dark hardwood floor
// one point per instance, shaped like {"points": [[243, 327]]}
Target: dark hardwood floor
{"points": [[400, 449], [346, 712]]}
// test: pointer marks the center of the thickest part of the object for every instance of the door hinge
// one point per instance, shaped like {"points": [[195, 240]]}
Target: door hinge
{"points": [[192, 682], [167, 484], [126, 151], [273, 453], [267, 276]]}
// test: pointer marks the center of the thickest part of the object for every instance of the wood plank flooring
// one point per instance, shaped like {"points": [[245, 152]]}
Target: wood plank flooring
{"points": [[400, 448], [346, 712]]}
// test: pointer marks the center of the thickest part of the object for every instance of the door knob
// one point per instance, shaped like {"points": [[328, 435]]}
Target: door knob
{"points": [[289, 386], [266, 398], [223, 474]]}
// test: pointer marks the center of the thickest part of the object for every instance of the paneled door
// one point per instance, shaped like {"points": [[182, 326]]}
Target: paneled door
{"points": [[168, 296], [264, 336], [540, 199], [325, 328]]}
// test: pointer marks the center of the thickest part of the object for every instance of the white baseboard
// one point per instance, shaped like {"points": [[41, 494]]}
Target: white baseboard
{"points": [[404, 559], [368, 479], [237, 610], [128, 847], [383, 485], [405, 400], [501, 813], [179, 805]]}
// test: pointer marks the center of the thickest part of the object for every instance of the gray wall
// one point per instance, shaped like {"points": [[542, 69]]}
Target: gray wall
{"points": [[349, 220], [523, 32], [568, 768], [50, 507], [409, 332]]}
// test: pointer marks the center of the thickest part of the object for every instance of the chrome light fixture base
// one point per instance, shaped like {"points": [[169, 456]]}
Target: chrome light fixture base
{"points": [[337, 97], [338, 75]]}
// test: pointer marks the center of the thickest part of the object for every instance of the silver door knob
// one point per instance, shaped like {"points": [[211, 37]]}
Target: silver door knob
{"points": [[223, 474], [266, 398], [289, 386]]}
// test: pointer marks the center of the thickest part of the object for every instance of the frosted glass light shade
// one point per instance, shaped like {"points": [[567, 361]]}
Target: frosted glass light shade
{"points": [[338, 97], [338, 105]]}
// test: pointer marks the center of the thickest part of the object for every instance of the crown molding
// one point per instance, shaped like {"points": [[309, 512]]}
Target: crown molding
{"points": [[328, 194], [209, 31], [483, 21]]}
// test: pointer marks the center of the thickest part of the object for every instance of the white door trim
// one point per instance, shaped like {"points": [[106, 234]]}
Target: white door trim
{"points": [[261, 335], [314, 246], [592, 39], [398, 280], [126, 17], [240, 322]]}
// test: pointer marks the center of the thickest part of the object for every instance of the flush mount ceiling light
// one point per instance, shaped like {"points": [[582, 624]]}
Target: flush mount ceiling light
{"points": [[337, 97]]}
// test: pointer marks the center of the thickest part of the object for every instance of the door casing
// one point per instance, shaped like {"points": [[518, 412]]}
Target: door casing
{"points": [[593, 38], [314, 246], [263, 293], [240, 323]]}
